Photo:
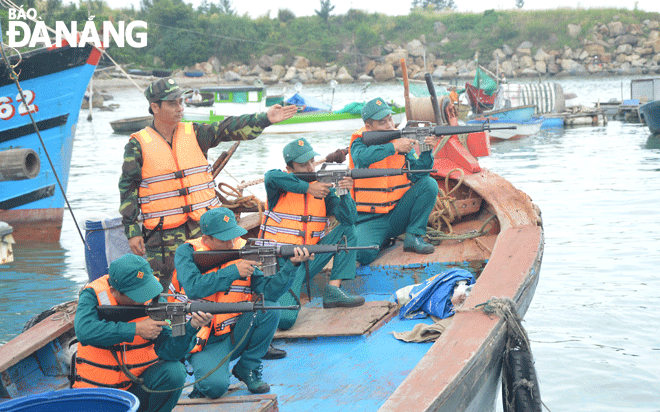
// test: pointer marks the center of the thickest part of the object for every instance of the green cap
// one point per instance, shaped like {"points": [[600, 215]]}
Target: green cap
{"points": [[299, 151], [376, 109], [163, 89], [132, 276], [220, 223]]}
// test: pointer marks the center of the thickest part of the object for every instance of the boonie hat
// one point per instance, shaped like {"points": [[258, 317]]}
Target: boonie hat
{"points": [[376, 109], [163, 89], [132, 276], [220, 223], [299, 151]]}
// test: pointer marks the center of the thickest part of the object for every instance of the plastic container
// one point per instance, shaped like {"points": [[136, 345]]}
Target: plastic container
{"points": [[106, 242], [79, 400]]}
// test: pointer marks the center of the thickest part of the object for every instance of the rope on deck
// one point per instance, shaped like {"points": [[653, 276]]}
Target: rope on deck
{"points": [[445, 213]]}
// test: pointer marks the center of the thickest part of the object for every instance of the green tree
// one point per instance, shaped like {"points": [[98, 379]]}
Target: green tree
{"points": [[326, 9], [285, 15], [434, 4]]}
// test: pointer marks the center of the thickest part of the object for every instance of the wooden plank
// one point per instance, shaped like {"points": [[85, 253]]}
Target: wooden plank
{"points": [[314, 322], [34, 339], [249, 403]]}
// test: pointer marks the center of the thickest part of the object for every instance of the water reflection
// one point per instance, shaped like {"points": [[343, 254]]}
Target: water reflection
{"points": [[653, 141]]}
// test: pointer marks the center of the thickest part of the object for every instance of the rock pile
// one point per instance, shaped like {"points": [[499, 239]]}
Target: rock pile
{"points": [[612, 48]]}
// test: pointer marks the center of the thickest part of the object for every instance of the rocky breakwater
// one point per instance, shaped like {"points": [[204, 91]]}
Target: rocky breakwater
{"points": [[607, 48]]}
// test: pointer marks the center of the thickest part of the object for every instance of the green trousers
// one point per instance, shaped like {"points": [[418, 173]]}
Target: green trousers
{"points": [[160, 377], [260, 333], [410, 215], [343, 268]]}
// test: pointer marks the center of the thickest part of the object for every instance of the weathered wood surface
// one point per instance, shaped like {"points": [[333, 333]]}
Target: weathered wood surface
{"points": [[34, 339], [316, 321], [248, 403]]}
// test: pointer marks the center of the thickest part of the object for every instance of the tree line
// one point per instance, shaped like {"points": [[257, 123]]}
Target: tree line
{"points": [[181, 35]]}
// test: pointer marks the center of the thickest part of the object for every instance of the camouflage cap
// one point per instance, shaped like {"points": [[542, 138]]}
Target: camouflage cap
{"points": [[163, 89], [376, 109]]}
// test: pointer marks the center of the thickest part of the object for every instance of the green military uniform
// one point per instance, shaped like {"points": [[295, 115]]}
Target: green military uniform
{"points": [[343, 209], [260, 331], [412, 211], [165, 375], [162, 244]]}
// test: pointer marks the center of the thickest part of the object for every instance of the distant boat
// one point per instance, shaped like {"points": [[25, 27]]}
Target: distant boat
{"points": [[548, 100], [651, 114], [54, 81], [193, 73], [207, 100], [520, 117], [161, 73], [238, 100], [132, 124]]}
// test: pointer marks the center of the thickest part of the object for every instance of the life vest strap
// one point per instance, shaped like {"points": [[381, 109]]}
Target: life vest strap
{"points": [[179, 174], [121, 385], [182, 210], [381, 189], [279, 216], [175, 193], [287, 231]]}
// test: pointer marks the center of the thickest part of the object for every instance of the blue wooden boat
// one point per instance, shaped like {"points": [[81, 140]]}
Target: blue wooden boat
{"points": [[521, 117], [651, 114], [54, 82], [347, 359]]}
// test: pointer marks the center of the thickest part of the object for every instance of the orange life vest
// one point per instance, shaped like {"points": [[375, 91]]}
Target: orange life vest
{"points": [[97, 367], [176, 181], [379, 194], [239, 291], [296, 219]]}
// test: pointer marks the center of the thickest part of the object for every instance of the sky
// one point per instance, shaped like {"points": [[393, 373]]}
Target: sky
{"points": [[257, 8]]}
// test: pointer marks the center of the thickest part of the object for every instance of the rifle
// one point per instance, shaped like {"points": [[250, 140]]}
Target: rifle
{"points": [[335, 175], [420, 133], [266, 251], [175, 312]]}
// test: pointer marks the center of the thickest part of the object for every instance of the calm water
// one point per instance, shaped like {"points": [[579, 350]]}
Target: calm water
{"points": [[595, 319]]}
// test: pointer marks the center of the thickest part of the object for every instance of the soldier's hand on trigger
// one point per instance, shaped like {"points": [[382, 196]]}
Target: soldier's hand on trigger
{"points": [[319, 190], [149, 329], [403, 145], [246, 267]]}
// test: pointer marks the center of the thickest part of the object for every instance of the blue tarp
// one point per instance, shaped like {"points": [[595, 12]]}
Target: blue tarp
{"points": [[312, 104], [433, 297]]}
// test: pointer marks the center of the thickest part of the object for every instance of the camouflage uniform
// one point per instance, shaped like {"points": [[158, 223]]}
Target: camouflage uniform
{"points": [[162, 244]]}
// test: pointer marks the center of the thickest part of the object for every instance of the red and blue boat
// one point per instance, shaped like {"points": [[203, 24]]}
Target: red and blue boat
{"points": [[53, 81]]}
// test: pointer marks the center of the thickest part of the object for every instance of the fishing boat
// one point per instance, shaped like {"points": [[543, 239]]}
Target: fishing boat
{"points": [[235, 101], [6, 242], [53, 81], [521, 117], [651, 114], [349, 357], [207, 99], [131, 124]]}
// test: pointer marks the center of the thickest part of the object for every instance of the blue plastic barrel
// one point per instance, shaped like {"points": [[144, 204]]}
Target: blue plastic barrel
{"points": [[79, 400], [106, 241]]}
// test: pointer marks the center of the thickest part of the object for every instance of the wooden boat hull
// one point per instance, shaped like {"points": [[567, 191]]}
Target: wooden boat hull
{"points": [[651, 113], [131, 125], [54, 80], [347, 357]]}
